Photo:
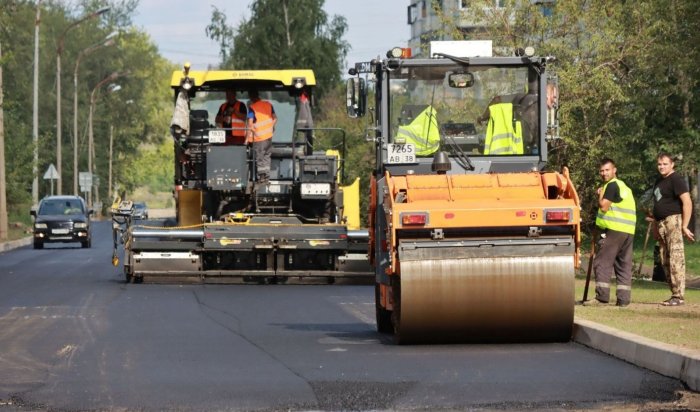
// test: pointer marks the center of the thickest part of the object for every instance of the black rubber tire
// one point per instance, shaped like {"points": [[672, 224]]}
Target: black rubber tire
{"points": [[86, 244], [384, 324], [38, 245]]}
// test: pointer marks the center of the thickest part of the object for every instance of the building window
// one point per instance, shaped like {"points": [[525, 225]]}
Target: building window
{"points": [[412, 13], [463, 4]]}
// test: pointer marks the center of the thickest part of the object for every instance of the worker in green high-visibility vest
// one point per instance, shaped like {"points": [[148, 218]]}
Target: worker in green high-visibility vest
{"points": [[422, 132]]}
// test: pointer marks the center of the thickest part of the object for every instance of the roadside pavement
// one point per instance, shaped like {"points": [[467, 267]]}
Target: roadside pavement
{"points": [[668, 360]]}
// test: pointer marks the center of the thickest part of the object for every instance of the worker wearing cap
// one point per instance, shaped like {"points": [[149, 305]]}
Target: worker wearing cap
{"points": [[232, 115], [261, 127], [615, 223]]}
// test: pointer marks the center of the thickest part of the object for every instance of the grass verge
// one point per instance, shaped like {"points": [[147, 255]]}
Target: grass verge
{"points": [[645, 316]]}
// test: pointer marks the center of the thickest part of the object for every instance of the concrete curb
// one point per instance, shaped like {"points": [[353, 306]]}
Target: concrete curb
{"points": [[14, 244], [668, 360]]}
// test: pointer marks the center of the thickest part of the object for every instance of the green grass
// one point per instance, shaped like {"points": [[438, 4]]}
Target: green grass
{"points": [[645, 316], [159, 200]]}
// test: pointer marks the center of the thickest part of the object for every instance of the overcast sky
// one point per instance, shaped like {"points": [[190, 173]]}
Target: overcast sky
{"points": [[177, 26]]}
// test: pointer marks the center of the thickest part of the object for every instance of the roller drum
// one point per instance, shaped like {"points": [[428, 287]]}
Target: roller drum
{"points": [[485, 299]]}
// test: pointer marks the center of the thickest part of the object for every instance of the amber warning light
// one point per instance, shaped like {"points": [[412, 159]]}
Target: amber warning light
{"points": [[557, 215], [414, 219]]}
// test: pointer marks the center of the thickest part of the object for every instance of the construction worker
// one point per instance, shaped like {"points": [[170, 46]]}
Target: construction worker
{"points": [[232, 115], [504, 134], [615, 223], [422, 133], [261, 127]]}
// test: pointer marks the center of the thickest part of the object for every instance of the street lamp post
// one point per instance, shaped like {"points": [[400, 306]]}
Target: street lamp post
{"points": [[108, 41], [35, 110], [59, 51], [91, 149]]}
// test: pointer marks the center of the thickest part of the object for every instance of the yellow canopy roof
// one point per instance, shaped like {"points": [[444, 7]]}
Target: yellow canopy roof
{"points": [[243, 79]]}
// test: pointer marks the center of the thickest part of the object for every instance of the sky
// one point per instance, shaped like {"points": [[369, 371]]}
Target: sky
{"points": [[177, 26]]}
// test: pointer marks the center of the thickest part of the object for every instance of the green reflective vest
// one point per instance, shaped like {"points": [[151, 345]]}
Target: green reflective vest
{"points": [[504, 136], [621, 216], [422, 132]]}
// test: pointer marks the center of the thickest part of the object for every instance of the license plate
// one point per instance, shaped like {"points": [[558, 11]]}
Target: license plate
{"points": [[217, 136], [400, 153], [59, 231]]}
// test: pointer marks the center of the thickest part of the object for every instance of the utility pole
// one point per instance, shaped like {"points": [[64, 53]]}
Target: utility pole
{"points": [[3, 186], [35, 115], [59, 52]]}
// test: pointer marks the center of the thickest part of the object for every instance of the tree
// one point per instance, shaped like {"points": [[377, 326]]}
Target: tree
{"points": [[628, 77], [219, 31], [287, 34]]}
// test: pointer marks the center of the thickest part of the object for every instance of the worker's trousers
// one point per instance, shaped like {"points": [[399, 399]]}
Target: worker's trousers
{"points": [[672, 253], [263, 154], [613, 257]]}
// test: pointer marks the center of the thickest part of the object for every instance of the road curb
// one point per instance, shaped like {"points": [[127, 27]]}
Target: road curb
{"points": [[14, 244], [668, 360]]}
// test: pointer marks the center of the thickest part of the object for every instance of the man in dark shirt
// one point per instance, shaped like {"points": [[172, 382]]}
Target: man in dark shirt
{"points": [[615, 223], [232, 115], [672, 210]]}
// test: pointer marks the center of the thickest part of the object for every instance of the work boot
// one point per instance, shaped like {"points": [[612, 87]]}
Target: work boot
{"points": [[594, 302]]}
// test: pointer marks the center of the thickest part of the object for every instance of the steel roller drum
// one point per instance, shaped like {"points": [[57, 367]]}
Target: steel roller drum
{"points": [[485, 299]]}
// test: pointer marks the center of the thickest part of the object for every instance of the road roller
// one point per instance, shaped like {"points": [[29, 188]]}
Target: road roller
{"points": [[471, 237]]}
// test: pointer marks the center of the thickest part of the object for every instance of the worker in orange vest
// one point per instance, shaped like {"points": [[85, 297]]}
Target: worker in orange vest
{"points": [[261, 127], [232, 115]]}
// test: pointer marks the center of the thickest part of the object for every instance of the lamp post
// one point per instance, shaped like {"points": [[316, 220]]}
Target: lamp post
{"points": [[108, 41], [93, 98], [59, 51], [35, 111]]}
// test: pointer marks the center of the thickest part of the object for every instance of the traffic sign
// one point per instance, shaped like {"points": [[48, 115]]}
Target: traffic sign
{"points": [[85, 179], [51, 173]]}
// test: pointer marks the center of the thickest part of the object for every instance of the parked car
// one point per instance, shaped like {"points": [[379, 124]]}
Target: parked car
{"points": [[62, 219], [140, 210]]}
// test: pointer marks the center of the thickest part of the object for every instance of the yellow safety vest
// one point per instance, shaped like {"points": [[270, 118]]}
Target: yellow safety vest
{"points": [[422, 132], [621, 216], [503, 135]]}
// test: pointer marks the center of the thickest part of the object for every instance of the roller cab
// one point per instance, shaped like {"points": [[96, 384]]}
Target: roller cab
{"points": [[472, 239]]}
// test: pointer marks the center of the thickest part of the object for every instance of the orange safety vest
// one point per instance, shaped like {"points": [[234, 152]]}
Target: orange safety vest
{"points": [[263, 127], [237, 124]]}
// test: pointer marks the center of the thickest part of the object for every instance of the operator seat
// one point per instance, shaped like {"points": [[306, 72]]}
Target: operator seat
{"points": [[199, 124]]}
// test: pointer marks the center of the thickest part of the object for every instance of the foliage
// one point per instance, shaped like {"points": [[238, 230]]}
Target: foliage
{"points": [[138, 113], [628, 78], [283, 34], [220, 31], [359, 155]]}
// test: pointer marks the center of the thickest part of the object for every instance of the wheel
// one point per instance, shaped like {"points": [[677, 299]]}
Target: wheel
{"points": [[383, 316], [128, 276], [87, 243], [38, 245]]}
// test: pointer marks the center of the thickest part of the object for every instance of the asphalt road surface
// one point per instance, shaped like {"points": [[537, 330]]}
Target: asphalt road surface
{"points": [[75, 337]]}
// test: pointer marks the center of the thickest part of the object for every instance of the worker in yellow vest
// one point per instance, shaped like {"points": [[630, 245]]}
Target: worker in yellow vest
{"points": [[261, 127], [504, 134], [615, 223], [422, 133]]}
